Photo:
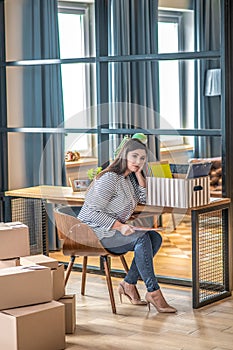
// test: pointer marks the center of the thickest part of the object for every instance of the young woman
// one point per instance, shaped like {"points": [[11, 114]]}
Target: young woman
{"points": [[110, 202]]}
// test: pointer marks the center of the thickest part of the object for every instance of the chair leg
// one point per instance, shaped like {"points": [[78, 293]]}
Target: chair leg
{"points": [[124, 263], [84, 274], [174, 221], [68, 271], [109, 283]]}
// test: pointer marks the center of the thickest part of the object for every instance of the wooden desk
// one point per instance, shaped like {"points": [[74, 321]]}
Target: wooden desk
{"points": [[52, 194], [65, 195], [210, 236]]}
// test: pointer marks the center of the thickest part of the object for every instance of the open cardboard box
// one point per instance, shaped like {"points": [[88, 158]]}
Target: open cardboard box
{"points": [[178, 192]]}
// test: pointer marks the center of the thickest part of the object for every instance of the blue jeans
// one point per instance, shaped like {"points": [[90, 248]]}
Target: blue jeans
{"points": [[145, 245]]}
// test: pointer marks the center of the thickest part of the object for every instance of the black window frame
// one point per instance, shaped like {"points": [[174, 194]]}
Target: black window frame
{"points": [[101, 60]]}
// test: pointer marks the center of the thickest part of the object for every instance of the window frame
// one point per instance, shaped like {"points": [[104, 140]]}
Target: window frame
{"points": [[177, 16], [101, 58], [85, 9]]}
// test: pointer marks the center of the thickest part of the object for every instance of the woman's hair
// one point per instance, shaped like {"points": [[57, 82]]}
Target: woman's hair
{"points": [[119, 165]]}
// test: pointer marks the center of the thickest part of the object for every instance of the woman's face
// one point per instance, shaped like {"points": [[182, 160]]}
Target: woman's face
{"points": [[135, 160]]}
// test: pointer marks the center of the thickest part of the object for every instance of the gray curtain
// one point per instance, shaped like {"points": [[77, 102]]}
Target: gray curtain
{"points": [[210, 29], [43, 101], [134, 85], [3, 121], [134, 93]]}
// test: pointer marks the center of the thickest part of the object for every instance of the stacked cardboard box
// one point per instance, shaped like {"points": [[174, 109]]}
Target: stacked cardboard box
{"points": [[70, 312], [57, 275], [56, 270], [35, 327], [29, 317], [9, 263], [20, 286], [14, 242]]}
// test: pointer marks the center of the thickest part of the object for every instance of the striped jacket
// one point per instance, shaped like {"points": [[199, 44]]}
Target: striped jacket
{"points": [[111, 197]]}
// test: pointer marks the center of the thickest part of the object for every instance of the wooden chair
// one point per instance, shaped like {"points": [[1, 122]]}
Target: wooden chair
{"points": [[78, 239]]}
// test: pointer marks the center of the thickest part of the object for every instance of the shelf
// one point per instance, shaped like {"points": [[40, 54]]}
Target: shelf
{"points": [[83, 161]]}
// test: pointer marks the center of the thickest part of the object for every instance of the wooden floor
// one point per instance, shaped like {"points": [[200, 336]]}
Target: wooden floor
{"points": [[134, 327]]}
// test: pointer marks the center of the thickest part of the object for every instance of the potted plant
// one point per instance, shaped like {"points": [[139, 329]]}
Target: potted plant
{"points": [[92, 172]]}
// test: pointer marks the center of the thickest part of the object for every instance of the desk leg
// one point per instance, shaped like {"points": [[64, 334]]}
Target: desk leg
{"points": [[7, 217], [210, 257]]}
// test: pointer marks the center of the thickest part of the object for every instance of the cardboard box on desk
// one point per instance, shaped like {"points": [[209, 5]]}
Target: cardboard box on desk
{"points": [[14, 240], [178, 193], [70, 312], [21, 286], [37, 327]]}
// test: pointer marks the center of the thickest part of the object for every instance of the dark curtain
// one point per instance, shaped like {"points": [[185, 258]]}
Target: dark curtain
{"points": [[134, 85], [3, 143], [210, 31], [3, 119], [43, 101]]}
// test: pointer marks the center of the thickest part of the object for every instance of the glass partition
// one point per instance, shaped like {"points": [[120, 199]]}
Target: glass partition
{"points": [[94, 73]]}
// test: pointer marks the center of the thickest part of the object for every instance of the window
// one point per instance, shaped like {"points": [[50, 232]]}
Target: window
{"points": [[176, 78], [201, 44], [74, 25], [74, 21], [174, 91]]}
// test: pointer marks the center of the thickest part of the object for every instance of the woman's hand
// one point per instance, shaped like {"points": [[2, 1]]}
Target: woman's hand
{"points": [[140, 177], [126, 229]]}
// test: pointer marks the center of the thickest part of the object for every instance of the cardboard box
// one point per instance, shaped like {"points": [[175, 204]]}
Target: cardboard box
{"points": [[37, 327], [39, 259], [14, 240], [58, 282], [70, 312], [9, 263], [178, 193], [57, 271], [21, 286]]}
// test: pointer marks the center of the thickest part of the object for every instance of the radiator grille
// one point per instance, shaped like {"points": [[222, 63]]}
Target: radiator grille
{"points": [[32, 213], [212, 245]]}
